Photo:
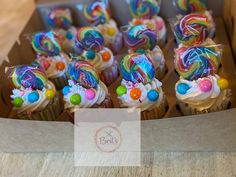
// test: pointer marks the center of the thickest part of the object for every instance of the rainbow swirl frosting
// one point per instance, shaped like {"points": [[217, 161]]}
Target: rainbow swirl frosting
{"points": [[46, 44], [196, 62], [192, 29], [97, 12], [140, 37], [84, 74], [90, 39], [29, 77], [137, 68], [189, 6], [60, 18], [144, 8]]}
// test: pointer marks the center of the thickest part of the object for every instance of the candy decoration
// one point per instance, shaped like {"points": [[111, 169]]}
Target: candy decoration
{"points": [[223, 83], [75, 99], [90, 94], [205, 85], [144, 8], [153, 95], [182, 88], [140, 37], [90, 54], [33, 97], [90, 38], [17, 102], [46, 44], [46, 64], [111, 31], [83, 73], [60, 18], [135, 93], [106, 56], [137, 22], [69, 35], [50, 94], [196, 62], [60, 66], [97, 12], [188, 6], [29, 77], [192, 29], [66, 90], [137, 68], [121, 90]]}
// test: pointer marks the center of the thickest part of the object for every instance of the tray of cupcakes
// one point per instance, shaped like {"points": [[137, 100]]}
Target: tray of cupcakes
{"points": [[126, 54]]}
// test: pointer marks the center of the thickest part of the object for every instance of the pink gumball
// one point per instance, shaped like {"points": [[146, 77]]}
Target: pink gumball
{"points": [[90, 94], [205, 85]]}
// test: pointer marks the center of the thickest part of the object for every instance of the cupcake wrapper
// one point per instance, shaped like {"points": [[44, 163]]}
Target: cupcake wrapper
{"points": [[50, 113], [161, 72], [60, 82], [109, 75], [156, 113], [187, 110], [162, 41]]}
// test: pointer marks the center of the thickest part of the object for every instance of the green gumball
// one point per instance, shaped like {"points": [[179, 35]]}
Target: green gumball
{"points": [[75, 99], [17, 102], [121, 90]]}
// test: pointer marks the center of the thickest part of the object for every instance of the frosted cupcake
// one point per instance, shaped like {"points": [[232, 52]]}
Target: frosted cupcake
{"points": [[194, 29], [34, 97], [97, 13], [91, 43], [60, 21], [141, 39], [85, 90], [199, 89], [139, 88], [145, 12], [50, 58]]}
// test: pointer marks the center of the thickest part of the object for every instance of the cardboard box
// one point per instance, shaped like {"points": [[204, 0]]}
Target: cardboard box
{"points": [[207, 132]]}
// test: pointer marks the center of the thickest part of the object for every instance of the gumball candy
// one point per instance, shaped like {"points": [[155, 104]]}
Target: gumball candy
{"points": [[69, 35], [223, 83], [60, 66], [135, 93], [137, 22], [137, 68], [50, 94], [17, 102], [106, 56], [205, 85], [111, 31], [75, 99], [182, 88], [90, 54], [140, 37], [90, 94], [66, 90], [33, 97], [121, 90], [153, 95]]}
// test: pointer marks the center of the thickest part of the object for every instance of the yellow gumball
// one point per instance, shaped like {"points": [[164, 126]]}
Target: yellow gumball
{"points": [[111, 31], [223, 83], [50, 94]]}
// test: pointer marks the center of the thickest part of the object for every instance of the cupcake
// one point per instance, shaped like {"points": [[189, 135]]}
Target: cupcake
{"points": [[34, 97], [194, 29], [50, 58], [141, 39], [145, 12], [185, 7], [139, 88], [60, 21], [97, 14], [85, 90], [200, 89], [91, 43]]}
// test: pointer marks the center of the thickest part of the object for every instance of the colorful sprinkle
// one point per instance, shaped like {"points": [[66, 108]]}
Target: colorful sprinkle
{"points": [[188, 6]]}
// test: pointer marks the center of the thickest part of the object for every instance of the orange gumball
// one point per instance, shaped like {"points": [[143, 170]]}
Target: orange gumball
{"points": [[135, 93], [60, 66], [106, 56], [137, 22]]}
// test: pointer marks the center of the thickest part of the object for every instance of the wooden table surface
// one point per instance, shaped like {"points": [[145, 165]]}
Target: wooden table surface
{"points": [[14, 16]]}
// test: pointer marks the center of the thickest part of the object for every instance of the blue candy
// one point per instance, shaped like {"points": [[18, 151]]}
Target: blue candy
{"points": [[66, 90], [182, 88], [153, 95], [90, 54], [69, 35], [33, 97]]}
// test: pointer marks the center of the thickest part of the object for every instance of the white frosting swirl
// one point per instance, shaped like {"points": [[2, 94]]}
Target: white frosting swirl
{"points": [[98, 61], [100, 94], [49, 64], [143, 102], [28, 107], [198, 99]]}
